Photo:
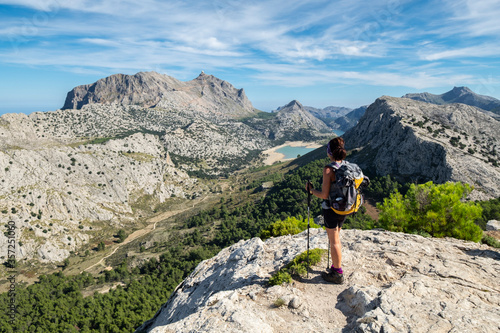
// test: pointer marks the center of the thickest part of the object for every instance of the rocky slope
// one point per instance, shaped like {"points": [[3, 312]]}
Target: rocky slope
{"points": [[57, 193], [458, 95], [395, 282], [418, 141]]}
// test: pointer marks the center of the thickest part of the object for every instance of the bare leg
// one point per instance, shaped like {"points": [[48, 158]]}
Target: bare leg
{"points": [[334, 237]]}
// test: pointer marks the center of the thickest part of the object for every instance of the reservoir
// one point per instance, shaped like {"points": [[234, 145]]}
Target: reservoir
{"points": [[338, 132], [292, 152]]}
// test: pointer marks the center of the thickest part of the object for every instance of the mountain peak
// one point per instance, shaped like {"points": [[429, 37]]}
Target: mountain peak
{"points": [[462, 89], [294, 103], [462, 95], [457, 92]]}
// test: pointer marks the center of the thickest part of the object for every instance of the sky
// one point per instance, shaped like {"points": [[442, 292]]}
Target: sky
{"points": [[321, 53]]}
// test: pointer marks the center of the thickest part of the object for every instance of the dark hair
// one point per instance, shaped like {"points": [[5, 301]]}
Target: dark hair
{"points": [[336, 148]]}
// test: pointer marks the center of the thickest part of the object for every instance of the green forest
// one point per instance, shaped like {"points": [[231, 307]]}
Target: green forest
{"points": [[56, 302]]}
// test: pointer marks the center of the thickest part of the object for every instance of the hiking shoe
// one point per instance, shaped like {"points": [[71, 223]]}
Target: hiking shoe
{"points": [[333, 277]]}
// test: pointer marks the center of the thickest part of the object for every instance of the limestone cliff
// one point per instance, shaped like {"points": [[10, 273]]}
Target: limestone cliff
{"points": [[395, 282], [418, 141]]}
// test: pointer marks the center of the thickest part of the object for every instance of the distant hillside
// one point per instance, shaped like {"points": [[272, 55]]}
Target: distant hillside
{"points": [[418, 141], [290, 122], [122, 147], [349, 120], [328, 114], [459, 95]]}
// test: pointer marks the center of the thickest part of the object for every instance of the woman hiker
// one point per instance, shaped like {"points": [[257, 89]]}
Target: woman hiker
{"points": [[333, 222]]}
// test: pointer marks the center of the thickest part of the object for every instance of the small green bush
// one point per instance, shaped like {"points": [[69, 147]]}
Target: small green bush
{"points": [[297, 267], [280, 277], [491, 241], [289, 226], [279, 302]]}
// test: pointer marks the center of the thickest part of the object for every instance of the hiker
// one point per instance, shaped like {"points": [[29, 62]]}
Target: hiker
{"points": [[333, 221]]}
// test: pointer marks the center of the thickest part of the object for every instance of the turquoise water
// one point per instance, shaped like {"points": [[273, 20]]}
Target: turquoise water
{"points": [[292, 152], [338, 132]]}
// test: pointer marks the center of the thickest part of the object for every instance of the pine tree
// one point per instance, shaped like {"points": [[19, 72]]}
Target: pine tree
{"points": [[438, 210]]}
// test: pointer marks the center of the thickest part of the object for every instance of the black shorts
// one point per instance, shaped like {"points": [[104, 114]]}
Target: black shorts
{"points": [[332, 219]]}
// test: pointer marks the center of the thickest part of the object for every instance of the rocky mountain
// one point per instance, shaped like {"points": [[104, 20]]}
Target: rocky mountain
{"points": [[418, 141], [395, 282], [291, 122], [459, 95], [293, 116], [328, 114], [349, 120], [206, 94]]}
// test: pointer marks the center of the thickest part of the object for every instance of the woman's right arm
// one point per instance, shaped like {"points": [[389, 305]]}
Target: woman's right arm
{"points": [[328, 177]]}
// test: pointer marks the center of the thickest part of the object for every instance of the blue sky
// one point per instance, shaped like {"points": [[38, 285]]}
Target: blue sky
{"points": [[341, 53]]}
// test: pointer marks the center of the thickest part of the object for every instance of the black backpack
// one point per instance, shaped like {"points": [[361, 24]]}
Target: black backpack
{"points": [[345, 196]]}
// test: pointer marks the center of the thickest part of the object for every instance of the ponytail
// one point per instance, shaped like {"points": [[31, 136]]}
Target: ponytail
{"points": [[336, 149]]}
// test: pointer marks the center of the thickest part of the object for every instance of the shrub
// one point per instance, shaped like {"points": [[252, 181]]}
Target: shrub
{"points": [[289, 226], [280, 277], [279, 302], [298, 267], [122, 235], [491, 241], [434, 209]]}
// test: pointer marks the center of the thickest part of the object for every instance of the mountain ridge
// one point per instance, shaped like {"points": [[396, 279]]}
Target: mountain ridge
{"points": [[203, 94], [462, 95], [419, 141]]}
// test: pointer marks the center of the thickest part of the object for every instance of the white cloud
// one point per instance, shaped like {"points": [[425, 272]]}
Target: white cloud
{"points": [[467, 52], [472, 18], [294, 44], [294, 76]]}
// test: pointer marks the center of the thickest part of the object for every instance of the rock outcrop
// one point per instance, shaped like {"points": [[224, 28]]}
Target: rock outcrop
{"points": [[418, 141], [395, 282], [459, 95]]}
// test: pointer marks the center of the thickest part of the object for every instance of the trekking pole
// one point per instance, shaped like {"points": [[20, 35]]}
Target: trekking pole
{"points": [[308, 205], [328, 258]]}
